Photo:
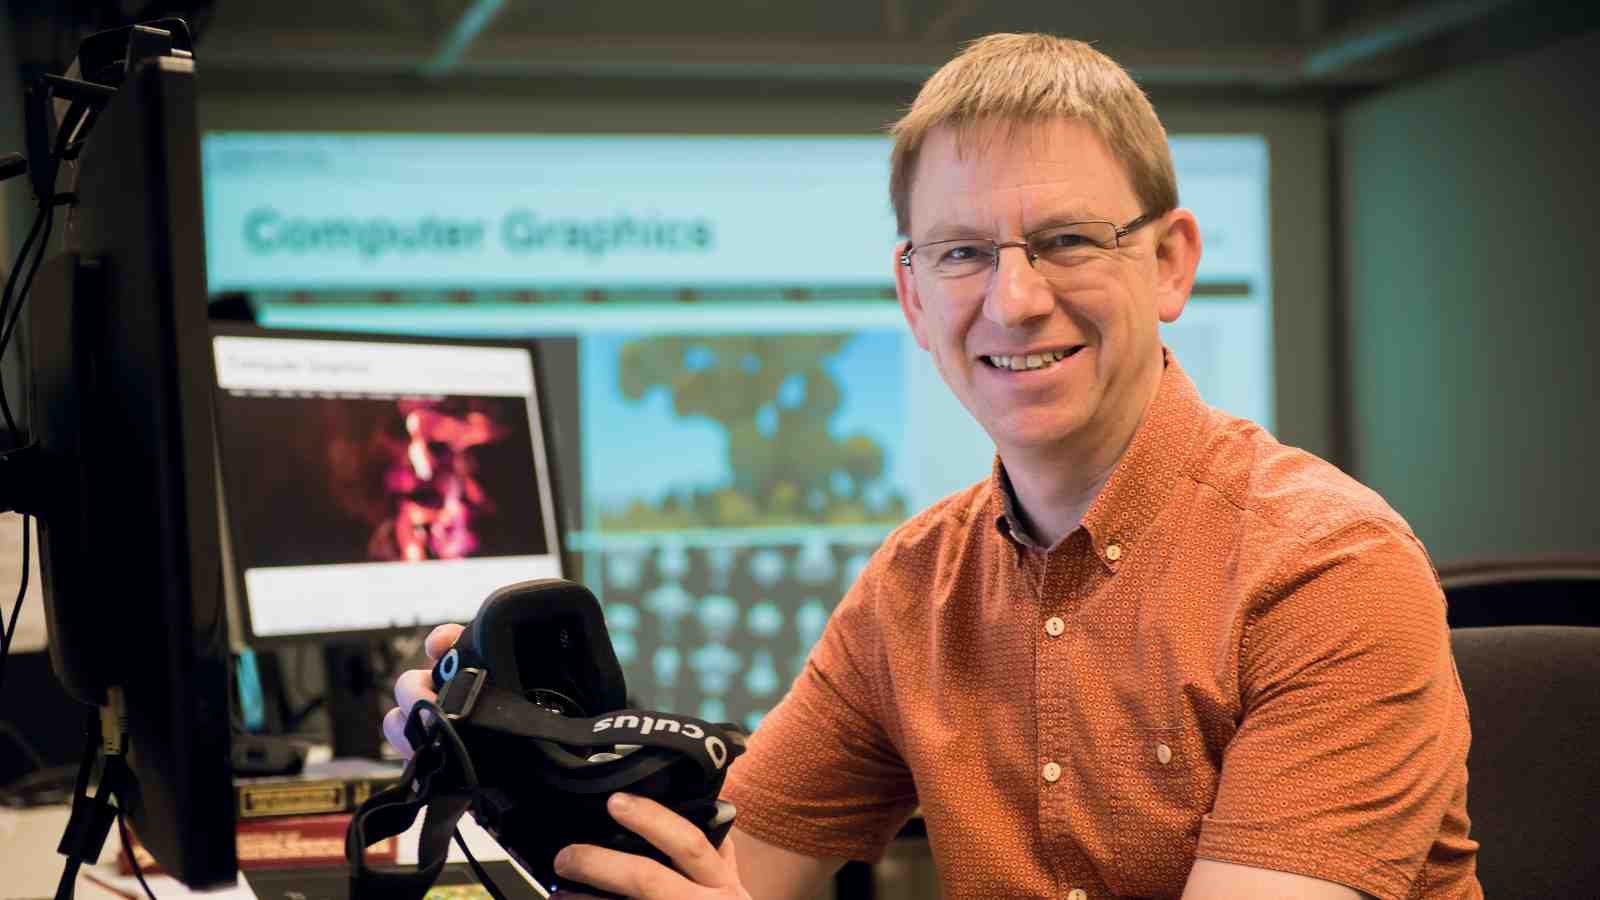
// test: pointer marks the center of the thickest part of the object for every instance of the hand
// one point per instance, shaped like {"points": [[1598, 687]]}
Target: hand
{"points": [[703, 872], [417, 684]]}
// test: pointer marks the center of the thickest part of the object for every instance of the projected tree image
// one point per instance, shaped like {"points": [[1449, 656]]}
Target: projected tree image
{"points": [[776, 403]]}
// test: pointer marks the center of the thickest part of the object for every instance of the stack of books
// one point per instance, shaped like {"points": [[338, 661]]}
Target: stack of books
{"points": [[291, 842], [296, 821], [336, 786]]}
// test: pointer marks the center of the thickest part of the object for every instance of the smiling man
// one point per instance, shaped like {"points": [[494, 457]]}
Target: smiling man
{"points": [[1156, 653]]}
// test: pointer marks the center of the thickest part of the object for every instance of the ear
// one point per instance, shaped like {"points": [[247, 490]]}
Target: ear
{"points": [[1177, 259], [905, 287]]}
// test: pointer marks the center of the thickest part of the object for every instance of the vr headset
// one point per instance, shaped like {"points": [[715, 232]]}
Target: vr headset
{"points": [[530, 733]]}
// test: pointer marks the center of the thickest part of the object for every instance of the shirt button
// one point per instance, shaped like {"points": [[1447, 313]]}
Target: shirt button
{"points": [[1052, 772], [1113, 552], [1163, 754], [1053, 626], [1077, 894]]}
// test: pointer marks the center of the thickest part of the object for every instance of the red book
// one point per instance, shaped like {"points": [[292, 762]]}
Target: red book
{"points": [[280, 842]]}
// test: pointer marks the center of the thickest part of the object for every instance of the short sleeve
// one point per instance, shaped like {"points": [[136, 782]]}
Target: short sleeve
{"points": [[1352, 747], [821, 776]]}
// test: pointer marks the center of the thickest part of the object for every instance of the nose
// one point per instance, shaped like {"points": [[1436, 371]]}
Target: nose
{"points": [[1017, 294]]}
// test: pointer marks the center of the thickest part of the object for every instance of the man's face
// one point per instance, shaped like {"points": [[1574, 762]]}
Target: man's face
{"points": [[1102, 313]]}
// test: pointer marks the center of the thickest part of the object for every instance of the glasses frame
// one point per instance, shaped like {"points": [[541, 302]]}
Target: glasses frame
{"points": [[1118, 233]]}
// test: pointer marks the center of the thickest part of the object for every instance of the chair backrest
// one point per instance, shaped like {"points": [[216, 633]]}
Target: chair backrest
{"points": [[1533, 788], [1550, 591]]}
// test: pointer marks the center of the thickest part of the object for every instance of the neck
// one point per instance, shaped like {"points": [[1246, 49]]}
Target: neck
{"points": [[1056, 485]]}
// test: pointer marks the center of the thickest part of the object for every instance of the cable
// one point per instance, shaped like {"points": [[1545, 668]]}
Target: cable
{"points": [[16, 610], [127, 850], [22, 255], [5, 306], [468, 772], [91, 752], [11, 305], [78, 114], [14, 314], [69, 879], [478, 869]]}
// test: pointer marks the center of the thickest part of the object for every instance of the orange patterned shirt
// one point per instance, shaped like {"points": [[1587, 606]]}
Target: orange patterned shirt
{"points": [[1241, 655]]}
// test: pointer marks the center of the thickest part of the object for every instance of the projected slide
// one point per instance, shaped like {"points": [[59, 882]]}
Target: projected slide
{"points": [[741, 421], [782, 430]]}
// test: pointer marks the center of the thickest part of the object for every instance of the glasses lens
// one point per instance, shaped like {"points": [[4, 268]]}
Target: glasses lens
{"points": [[1072, 243], [954, 259]]}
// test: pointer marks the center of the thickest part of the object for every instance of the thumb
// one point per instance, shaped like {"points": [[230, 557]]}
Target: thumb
{"points": [[441, 639]]}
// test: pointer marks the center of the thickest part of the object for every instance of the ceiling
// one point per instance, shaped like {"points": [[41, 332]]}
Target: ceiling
{"points": [[1272, 46]]}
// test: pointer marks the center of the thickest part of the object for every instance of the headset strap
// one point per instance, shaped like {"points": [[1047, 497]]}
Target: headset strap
{"points": [[444, 786], [393, 810], [470, 699]]}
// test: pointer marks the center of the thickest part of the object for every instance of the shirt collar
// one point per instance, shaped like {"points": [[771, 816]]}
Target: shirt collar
{"points": [[1142, 480]]}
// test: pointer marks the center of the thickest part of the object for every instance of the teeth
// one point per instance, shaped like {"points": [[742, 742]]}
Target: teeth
{"points": [[1023, 363]]}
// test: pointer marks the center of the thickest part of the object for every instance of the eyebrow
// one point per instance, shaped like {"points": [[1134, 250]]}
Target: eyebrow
{"points": [[1068, 217], [954, 232]]}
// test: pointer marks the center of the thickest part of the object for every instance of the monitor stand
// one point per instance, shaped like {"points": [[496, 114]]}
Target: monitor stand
{"points": [[354, 715]]}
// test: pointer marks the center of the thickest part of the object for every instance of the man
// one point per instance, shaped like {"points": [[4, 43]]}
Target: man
{"points": [[1156, 653]]}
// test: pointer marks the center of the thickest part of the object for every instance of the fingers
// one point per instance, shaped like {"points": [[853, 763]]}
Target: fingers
{"points": [[416, 684], [411, 686], [394, 728], [619, 873], [672, 834], [638, 876], [442, 639]]}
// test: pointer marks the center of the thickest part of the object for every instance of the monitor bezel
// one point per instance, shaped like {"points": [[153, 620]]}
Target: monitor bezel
{"points": [[543, 445]]}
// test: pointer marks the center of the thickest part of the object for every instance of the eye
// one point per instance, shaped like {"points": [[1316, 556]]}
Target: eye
{"points": [[956, 254], [1063, 240]]}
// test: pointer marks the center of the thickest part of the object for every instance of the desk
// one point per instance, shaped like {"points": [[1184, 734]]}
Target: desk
{"points": [[31, 866], [28, 839]]}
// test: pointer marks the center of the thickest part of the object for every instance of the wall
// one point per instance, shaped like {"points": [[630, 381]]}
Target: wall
{"points": [[1470, 258], [1297, 136], [1301, 237]]}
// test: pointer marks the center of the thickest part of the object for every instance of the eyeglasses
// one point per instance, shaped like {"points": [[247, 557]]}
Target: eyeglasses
{"points": [[1049, 251]]}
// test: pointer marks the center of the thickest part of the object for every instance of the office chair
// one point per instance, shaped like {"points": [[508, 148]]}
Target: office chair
{"points": [[1533, 771], [1553, 591]]}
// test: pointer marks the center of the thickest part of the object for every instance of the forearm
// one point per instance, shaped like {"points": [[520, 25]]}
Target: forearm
{"points": [[770, 872]]}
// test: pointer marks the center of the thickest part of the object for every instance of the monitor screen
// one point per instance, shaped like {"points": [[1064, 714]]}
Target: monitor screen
{"points": [[372, 484]]}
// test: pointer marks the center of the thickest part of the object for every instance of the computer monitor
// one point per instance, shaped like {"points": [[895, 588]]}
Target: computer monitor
{"points": [[121, 381], [373, 485], [378, 483]]}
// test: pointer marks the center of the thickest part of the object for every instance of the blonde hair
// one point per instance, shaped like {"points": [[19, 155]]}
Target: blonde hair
{"points": [[1023, 79]]}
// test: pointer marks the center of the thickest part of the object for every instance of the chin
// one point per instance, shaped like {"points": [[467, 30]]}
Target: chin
{"points": [[1034, 432]]}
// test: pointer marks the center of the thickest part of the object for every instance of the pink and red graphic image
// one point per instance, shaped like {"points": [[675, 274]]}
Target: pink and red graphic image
{"points": [[432, 485], [318, 480]]}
